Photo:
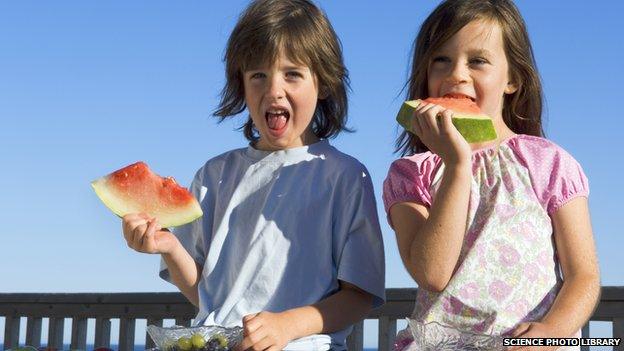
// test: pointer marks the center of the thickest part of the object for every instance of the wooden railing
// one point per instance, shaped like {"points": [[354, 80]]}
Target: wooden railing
{"points": [[156, 307]]}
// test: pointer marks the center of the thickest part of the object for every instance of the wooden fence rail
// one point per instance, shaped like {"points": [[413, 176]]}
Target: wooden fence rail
{"points": [[156, 307]]}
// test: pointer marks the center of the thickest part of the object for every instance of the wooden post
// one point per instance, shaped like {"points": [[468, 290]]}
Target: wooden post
{"points": [[387, 333], [79, 334], [618, 332], [102, 332], [55, 332], [126, 334], [585, 334], [184, 322], [11, 332], [33, 332], [355, 341], [149, 343]]}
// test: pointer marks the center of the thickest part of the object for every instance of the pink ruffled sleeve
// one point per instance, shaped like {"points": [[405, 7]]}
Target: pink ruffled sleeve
{"points": [[409, 180], [556, 176]]}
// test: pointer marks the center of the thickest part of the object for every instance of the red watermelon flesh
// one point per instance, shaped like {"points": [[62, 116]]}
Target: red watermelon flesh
{"points": [[135, 188], [462, 105], [471, 123]]}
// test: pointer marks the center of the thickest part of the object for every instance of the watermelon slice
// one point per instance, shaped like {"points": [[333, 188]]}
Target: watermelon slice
{"points": [[135, 188], [471, 123]]}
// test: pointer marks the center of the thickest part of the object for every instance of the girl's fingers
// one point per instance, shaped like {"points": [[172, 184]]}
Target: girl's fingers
{"points": [[431, 118], [520, 329], [445, 122]]}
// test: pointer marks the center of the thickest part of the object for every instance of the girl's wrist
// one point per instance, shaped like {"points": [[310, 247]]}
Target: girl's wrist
{"points": [[459, 167]]}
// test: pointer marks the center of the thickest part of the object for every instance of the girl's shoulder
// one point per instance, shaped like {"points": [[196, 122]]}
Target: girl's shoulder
{"points": [[556, 176], [540, 153], [416, 164]]}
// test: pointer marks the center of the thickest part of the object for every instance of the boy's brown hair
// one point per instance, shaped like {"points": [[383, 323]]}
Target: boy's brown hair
{"points": [[303, 32], [522, 110]]}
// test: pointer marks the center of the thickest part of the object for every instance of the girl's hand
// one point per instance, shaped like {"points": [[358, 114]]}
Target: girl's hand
{"points": [[433, 125], [144, 234], [533, 330], [265, 331]]}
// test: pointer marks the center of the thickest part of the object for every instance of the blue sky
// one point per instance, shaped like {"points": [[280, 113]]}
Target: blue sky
{"points": [[87, 87]]}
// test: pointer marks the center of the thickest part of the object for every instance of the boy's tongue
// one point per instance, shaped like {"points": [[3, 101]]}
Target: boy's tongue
{"points": [[276, 121]]}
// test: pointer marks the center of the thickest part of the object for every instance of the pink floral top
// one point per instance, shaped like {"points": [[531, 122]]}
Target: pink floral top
{"points": [[507, 272]]}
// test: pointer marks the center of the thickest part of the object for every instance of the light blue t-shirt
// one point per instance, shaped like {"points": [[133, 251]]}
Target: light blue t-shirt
{"points": [[279, 230]]}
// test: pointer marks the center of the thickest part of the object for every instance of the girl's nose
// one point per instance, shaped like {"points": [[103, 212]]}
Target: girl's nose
{"points": [[458, 74]]}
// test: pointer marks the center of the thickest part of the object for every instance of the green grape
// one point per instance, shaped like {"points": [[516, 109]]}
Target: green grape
{"points": [[198, 341], [184, 344]]}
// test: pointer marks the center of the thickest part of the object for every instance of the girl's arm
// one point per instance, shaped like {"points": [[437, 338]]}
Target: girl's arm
{"points": [[430, 241], [266, 330], [581, 279]]}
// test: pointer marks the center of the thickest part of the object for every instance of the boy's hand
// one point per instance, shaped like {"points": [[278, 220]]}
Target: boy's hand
{"points": [[265, 331], [144, 234], [433, 125], [532, 330]]}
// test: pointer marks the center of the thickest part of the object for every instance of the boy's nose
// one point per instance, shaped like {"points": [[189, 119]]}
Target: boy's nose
{"points": [[275, 89]]}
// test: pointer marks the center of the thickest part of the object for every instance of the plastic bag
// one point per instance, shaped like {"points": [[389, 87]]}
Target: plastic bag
{"points": [[202, 338], [434, 336]]}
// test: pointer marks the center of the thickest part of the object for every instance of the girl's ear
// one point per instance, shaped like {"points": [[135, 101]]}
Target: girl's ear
{"points": [[511, 88]]}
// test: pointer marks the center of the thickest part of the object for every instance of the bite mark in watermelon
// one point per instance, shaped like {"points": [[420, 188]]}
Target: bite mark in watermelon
{"points": [[135, 188], [471, 123]]}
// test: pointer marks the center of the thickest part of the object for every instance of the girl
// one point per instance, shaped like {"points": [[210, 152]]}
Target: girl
{"points": [[289, 246], [488, 231]]}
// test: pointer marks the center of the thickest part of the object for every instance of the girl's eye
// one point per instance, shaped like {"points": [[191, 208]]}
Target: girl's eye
{"points": [[441, 59], [478, 61]]}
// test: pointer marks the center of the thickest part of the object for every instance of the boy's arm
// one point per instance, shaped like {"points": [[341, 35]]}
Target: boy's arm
{"points": [[430, 241], [581, 278], [183, 271], [347, 306]]}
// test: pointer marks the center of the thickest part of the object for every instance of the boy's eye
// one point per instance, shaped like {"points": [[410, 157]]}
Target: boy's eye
{"points": [[257, 75], [293, 74]]}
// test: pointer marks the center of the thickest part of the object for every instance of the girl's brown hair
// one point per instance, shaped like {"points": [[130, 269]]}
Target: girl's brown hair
{"points": [[522, 110], [302, 31]]}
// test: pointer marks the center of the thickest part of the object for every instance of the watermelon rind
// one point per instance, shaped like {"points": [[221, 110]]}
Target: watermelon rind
{"points": [[166, 219], [474, 128]]}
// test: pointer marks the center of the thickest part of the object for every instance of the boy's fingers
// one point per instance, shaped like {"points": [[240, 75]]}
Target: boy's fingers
{"points": [[137, 235], [249, 317], [253, 338], [148, 243], [263, 344]]}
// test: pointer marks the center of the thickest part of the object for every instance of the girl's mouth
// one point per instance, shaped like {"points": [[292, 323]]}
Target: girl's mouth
{"points": [[277, 120], [459, 96]]}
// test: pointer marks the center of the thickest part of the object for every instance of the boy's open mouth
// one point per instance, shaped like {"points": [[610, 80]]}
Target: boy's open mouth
{"points": [[277, 119]]}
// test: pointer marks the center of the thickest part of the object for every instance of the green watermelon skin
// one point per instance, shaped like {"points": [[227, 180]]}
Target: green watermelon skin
{"points": [[136, 189], [475, 128]]}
